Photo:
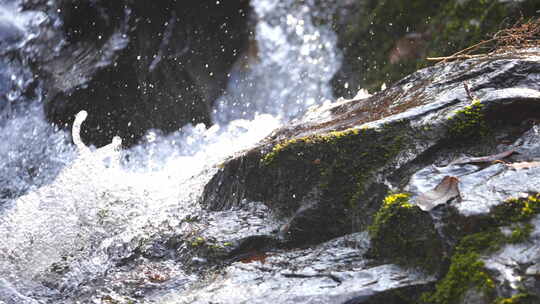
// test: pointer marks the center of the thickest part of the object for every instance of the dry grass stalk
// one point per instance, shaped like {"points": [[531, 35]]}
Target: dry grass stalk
{"points": [[520, 36]]}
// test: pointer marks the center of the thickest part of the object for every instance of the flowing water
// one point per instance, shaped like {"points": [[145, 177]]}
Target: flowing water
{"points": [[71, 217]]}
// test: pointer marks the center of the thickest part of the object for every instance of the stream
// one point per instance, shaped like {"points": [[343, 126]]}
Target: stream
{"points": [[73, 219]]}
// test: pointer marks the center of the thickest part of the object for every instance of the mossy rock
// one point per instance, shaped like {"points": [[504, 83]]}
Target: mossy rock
{"points": [[336, 170], [467, 270], [321, 183], [517, 209], [468, 123], [404, 234]]}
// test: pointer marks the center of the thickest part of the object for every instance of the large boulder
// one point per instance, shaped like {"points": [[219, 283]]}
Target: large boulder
{"points": [[346, 158], [457, 139]]}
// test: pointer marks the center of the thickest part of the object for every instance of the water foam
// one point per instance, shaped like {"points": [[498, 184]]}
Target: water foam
{"points": [[296, 57]]}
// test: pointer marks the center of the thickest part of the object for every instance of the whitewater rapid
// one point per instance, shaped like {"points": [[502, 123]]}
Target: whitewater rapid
{"points": [[74, 212]]}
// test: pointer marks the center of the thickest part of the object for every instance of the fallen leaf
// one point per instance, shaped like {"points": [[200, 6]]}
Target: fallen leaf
{"points": [[523, 165], [254, 257], [446, 190]]}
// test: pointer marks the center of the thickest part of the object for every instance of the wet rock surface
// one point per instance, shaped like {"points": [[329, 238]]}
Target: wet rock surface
{"points": [[307, 216], [332, 272], [460, 139]]}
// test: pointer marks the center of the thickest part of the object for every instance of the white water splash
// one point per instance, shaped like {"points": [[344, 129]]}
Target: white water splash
{"points": [[290, 67], [31, 153], [17, 26], [94, 205], [54, 220]]}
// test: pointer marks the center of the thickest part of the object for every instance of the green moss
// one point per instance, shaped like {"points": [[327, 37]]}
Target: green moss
{"points": [[517, 209], [200, 242], [303, 142], [485, 242], [405, 235], [209, 248], [516, 212], [467, 270], [520, 298], [520, 233], [197, 242], [393, 206], [469, 122], [340, 165]]}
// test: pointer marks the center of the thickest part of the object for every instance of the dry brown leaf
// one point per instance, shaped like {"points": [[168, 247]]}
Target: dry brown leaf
{"points": [[446, 190], [524, 165]]}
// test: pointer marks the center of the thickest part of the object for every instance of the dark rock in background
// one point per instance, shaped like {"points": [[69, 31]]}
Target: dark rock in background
{"points": [[383, 41], [136, 65]]}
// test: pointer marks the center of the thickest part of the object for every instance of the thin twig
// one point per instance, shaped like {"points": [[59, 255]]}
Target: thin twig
{"points": [[521, 35], [455, 57]]}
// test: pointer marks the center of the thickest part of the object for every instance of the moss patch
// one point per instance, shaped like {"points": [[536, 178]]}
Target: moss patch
{"points": [[520, 232], [340, 165], [469, 122], [520, 298], [466, 268], [209, 248], [331, 138], [393, 207], [394, 237], [466, 272], [517, 209], [483, 242]]}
